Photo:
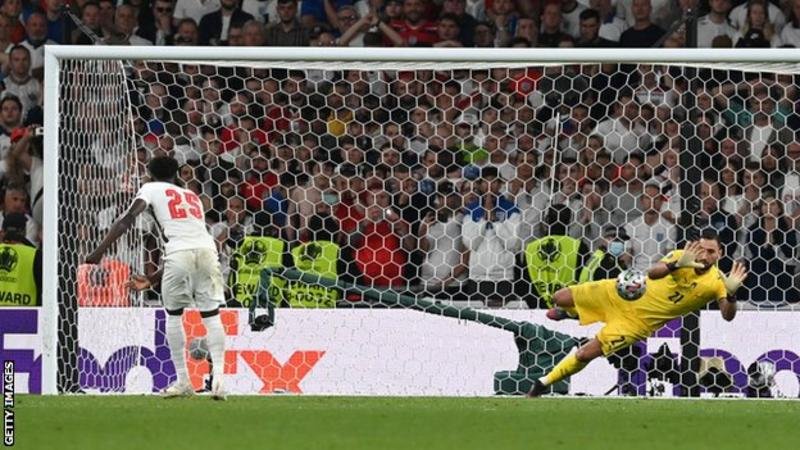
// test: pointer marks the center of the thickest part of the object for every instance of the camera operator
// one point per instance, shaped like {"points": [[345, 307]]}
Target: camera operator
{"points": [[24, 160]]}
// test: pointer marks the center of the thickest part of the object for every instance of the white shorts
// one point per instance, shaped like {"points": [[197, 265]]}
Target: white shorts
{"points": [[192, 277]]}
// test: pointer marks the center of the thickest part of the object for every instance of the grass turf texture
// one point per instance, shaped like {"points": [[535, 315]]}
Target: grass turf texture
{"points": [[278, 422]]}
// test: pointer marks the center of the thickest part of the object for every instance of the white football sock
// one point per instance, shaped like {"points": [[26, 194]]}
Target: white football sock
{"points": [[176, 340], [215, 337]]}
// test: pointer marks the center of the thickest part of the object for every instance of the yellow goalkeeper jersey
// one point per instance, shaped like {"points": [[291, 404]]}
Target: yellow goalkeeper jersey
{"points": [[678, 293]]}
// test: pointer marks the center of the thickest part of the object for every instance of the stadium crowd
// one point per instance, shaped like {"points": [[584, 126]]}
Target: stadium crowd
{"points": [[446, 183]]}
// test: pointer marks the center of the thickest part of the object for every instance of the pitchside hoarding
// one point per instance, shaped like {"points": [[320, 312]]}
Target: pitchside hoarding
{"points": [[365, 352]]}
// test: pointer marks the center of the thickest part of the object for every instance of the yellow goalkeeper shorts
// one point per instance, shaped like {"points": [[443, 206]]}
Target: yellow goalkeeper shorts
{"points": [[598, 301]]}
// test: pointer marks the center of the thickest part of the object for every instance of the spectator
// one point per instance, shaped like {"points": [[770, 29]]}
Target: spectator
{"points": [[160, 31], [35, 40], [570, 17], [235, 224], [449, 32], [589, 34], [317, 12], [611, 26], [107, 14], [194, 9], [289, 32], [125, 24], [740, 16], [591, 215], [414, 28], [731, 187], [357, 31], [528, 30], [235, 35], [19, 81], [4, 43], [342, 16], [186, 33], [771, 245], [504, 18], [643, 32], [484, 35], [312, 189], [59, 27], [672, 11], [747, 214], [623, 132], [407, 200], [12, 10], [90, 16], [715, 23], [215, 26], [466, 22], [253, 34], [491, 234], [444, 263], [550, 34], [659, 8], [276, 204], [764, 127], [790, 35], [21, 262], [322, 39], [758, 30], [790, 188], [16, 202], [652, 235], [348, 209], [381, 245], [258, 182], [10, 119], [24, 163], [611, 256]]}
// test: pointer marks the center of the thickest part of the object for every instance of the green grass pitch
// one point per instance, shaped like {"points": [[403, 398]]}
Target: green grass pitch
{"points": [[422, 423]]}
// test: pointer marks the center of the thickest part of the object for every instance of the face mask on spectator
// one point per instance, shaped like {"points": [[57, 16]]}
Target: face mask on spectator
{"points": [[616, 248], [330, 198]]}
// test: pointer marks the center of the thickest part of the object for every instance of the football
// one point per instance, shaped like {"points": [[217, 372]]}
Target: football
{"points": [[631, 284], [198, 349]]}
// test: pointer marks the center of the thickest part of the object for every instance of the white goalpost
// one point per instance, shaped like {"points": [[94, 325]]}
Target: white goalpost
{"points": [[284, 130]]}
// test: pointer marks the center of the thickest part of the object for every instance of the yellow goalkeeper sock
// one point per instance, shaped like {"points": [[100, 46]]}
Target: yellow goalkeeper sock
{"points": [[566, 367]]}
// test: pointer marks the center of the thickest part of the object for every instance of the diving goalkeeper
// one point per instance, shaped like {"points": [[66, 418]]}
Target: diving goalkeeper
{"points": [[682, 282]]}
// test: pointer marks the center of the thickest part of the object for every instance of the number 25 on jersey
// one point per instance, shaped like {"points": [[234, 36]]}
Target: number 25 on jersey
{"points": [[180, 204]]}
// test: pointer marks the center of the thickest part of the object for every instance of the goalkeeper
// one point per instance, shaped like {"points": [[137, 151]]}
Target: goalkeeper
{"points": [[682, 282]]}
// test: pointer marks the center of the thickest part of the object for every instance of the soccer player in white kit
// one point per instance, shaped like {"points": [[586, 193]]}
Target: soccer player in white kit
{"points": [[191, 272]]}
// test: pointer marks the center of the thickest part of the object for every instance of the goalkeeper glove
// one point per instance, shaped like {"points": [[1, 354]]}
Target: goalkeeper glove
{"points": [[687, 259], [734, 280]]}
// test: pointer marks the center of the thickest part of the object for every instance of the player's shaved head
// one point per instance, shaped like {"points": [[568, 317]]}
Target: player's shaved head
{"points": [[163, 168]]}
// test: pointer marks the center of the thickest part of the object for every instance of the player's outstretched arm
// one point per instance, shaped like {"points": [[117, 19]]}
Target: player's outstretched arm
{"points": [[119, 228], [733, 281], [687, 259]]}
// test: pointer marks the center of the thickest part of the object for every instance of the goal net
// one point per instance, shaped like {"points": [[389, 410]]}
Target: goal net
{"points": [[480, 181]]}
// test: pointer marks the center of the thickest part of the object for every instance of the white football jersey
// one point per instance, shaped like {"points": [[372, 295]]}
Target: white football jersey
{"points": [[179, 214]]}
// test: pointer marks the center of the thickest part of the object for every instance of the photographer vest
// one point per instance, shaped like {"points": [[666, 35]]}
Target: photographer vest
{"points": [[318, 258], [552, 264], [254, 254]]}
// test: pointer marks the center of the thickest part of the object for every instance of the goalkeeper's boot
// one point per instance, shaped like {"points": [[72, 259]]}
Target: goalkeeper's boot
{"points": [[217, 390], [538, 389], [178, 389], [558, 314]]}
